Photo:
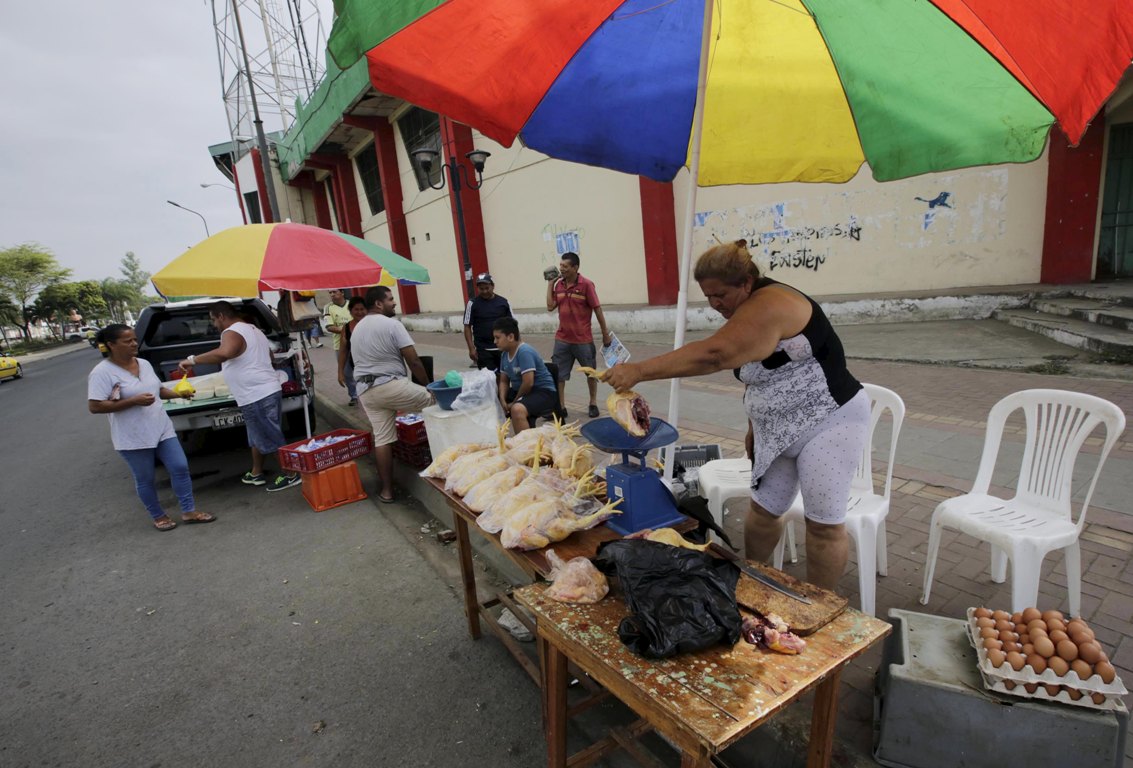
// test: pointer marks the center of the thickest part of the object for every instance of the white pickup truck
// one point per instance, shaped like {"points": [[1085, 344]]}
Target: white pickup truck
{"points": [[168, 333]]}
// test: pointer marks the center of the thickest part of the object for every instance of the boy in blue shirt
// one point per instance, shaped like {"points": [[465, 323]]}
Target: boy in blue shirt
{"points": [[527, 390]]}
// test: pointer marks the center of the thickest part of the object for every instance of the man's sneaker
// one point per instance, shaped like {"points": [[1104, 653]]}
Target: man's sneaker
{"points": [[284, 482], [250, 479], [593, 412], [353, 401]]}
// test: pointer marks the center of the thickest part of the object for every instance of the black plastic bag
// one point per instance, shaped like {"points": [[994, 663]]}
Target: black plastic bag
{"points": [[679, 600]]}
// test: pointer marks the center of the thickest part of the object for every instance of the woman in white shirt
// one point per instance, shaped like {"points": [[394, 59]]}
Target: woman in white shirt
{"points": [[128, 391]]}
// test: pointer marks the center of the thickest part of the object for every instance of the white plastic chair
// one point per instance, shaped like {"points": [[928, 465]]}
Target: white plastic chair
{"points": [[866, 511], [724, 479], [1039, 518]]}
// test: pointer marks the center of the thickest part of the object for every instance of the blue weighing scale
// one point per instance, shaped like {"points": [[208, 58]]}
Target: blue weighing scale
{"points": [[646, 501]]}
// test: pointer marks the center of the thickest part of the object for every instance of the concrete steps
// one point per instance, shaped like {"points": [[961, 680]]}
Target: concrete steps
{"points": [[1101, 327]]}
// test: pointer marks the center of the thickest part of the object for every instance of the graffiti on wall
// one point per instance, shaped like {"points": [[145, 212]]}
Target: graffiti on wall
{"points": [[772, 241], [559, 239]]}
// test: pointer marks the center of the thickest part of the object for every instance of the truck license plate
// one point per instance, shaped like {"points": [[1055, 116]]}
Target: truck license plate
{"points": [[224, 420]]}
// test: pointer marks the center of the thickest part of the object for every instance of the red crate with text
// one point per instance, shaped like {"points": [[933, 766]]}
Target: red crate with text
{"points": [[357, 443], [411, 429]]}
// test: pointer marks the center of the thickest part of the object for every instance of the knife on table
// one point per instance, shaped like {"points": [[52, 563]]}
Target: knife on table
{"points": [[757, 574]]}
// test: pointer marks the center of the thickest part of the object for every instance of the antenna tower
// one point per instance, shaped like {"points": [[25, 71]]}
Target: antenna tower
{"points": [[285, 41]]}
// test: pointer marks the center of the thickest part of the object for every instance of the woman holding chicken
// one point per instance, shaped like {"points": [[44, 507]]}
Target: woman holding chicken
{"points": [[808, 417]]}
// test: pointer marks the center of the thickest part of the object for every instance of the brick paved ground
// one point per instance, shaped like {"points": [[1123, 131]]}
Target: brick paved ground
{"points": [[938, 453]]}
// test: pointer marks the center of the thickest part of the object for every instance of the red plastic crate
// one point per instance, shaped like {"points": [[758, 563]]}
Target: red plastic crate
{"points": [[359, 444], [333, 487], [416, 456], [412, 434]]}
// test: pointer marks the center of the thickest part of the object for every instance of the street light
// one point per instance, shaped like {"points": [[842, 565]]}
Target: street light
{"points": [[190, 210], [425, 158], [218, 184]]}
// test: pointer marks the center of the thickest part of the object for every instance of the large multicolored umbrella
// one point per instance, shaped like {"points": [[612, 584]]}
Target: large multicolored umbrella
{"points": [[750, 91], [242, 261], [793, 90]]}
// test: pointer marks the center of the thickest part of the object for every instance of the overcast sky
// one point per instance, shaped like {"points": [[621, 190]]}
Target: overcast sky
{"points": [[108, 110]]}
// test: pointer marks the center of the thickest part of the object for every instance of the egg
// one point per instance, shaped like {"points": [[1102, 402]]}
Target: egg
{"points": [[1009, 684], [1058, 665], [1017, 617], [1028, 649], [985, 621], [1045, 648], [1083, 670], [1030, 614], [997, 615], [1055, 625], [1037, 663], [1057, 636], [1091, 653], [1016, 661], [1030, 687], [1077, 625], [1075, 694], [996, 657], [1007, 637], [1069, 651], [1037, 625], [1049, 616], [1079, 637], [1010, 645], [1024, 638], [1003, 625], [1051, 689], [991, 642], [1097, 698], [982, 613], [989, 632], [1106, 671]]}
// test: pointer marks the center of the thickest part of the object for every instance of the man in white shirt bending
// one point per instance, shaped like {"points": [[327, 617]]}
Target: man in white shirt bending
{"points": [[384, 356], [244, 355]]}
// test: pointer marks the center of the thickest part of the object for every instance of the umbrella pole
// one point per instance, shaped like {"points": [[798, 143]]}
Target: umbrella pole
{"points": [[690, 216]]}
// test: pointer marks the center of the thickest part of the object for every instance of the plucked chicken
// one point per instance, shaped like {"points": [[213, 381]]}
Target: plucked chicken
{"points": [[576, 581], [464, 474], [630, 411], [440, 466], [667, 536], [486, 492], [548, 521], [497, 513]]}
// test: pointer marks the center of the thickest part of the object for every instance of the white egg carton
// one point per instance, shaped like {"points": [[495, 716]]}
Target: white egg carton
{"points": [[1110, 703], [994, 678]]}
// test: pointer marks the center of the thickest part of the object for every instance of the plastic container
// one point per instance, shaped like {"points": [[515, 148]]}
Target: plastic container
{"points": [[359, 444], [411, 430], [333, 487], [444, 393], [693, 457], [449, 428]]}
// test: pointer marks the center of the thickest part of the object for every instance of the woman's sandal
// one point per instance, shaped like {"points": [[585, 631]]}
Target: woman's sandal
{"points": [[164, 523], [197, 517]]}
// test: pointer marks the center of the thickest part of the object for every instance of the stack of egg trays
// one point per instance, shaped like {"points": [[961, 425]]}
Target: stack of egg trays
{"points": [[994, 678]]}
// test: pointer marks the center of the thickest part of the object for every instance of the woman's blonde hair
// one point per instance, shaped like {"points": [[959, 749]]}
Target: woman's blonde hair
{"points": [[730, 263]]}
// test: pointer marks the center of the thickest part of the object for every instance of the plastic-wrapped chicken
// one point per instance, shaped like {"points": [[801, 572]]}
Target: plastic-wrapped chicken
{"points": [[441, 465], [576, 581], [486, 492], [461, 478], [545, 522]]}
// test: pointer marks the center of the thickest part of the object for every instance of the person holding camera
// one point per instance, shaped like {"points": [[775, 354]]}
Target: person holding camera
{"points": [[576, 299]]}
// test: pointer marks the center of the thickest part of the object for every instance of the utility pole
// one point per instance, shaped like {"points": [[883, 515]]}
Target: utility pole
{"points": [[261, 139]]}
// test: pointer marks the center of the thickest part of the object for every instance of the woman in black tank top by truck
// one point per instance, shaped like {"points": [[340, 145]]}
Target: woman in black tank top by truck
{"points": [[808, 417]]}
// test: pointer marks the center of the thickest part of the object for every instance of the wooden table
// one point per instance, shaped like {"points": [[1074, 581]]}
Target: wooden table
{"points": [[702, 702], [533, 563]]}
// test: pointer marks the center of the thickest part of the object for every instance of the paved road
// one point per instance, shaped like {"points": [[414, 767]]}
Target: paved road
{"points": [[274, 637]]}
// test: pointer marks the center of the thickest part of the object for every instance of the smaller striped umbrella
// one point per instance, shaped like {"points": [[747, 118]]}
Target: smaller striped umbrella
{"points": [[242, 261]]}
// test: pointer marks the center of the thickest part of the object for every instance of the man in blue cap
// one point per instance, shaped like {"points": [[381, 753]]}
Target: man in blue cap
{"points": [[481, 313]]}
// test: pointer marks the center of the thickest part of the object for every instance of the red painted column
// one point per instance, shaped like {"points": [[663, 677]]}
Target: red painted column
{"points": [[659, 230], [349, 213], [1072, 187], [456, 139], [385, 148], [262, 187], [335, 191]]}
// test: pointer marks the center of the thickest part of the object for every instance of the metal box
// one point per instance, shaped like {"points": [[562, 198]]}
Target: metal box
{"points": [[931, 710]]}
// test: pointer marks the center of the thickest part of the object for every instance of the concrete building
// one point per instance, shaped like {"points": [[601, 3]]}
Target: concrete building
{"points": [[346, 164]]}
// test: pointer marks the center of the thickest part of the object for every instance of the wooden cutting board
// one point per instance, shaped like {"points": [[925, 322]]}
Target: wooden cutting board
{"points": [[803, 619]]}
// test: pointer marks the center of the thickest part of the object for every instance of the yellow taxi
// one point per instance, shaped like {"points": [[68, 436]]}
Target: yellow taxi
{"points": [[10, 368]]}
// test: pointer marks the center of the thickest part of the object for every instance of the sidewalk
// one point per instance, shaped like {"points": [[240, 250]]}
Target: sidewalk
{"points": [[937, 456]]}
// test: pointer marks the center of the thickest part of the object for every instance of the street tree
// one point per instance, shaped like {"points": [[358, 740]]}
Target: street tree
{"points": [[119, 296], [138, 279], [9, 315], [25, 270], [57, 301]]}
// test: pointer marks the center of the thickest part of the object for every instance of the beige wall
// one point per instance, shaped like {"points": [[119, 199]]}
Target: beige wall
{"points": [[871, 237]]}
